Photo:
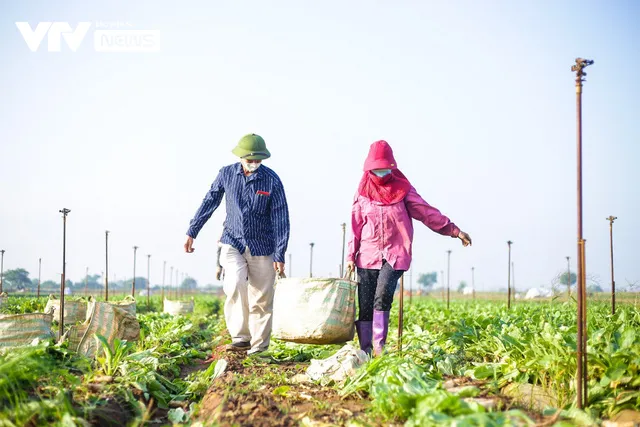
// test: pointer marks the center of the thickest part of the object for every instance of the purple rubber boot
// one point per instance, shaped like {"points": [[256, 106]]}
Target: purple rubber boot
{"points": [[380, 329], [363, 328]]}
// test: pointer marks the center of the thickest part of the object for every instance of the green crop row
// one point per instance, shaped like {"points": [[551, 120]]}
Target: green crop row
{"points": [[46, 384], [531, 343], [483, 342]]}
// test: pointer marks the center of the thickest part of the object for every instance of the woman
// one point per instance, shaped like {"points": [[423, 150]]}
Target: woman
{"points": [[382, 233]]}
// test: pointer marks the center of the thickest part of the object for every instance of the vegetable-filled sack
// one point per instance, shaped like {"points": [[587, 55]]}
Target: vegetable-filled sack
{"points": [[75, 310], [109, 320], [314, 311], [21, 329], [128, 304]]}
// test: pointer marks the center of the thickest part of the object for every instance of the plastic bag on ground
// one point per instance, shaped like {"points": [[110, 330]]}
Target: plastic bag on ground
{"points": [[178, 307], [343, 364]]}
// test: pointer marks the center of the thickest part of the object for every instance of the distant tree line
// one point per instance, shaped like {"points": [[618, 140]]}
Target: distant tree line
{"points": [[18, 280], [427, 280]]}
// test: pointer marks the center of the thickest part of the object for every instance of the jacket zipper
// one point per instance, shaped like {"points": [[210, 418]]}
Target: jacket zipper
{"points": [[382, 231]]}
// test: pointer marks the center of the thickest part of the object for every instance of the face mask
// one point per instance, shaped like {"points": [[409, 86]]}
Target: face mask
{"points": [[382, 172], [250, 167]]}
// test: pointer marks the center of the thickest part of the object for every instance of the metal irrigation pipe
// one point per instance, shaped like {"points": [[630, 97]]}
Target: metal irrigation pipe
{"points": [[401, 313], [64, 212], [509, 279], [133, 283], [344, 239], [448, 276], [39, 275], [148, 281], [311, 245], [582, 309], [106, 265], [613, 281]]}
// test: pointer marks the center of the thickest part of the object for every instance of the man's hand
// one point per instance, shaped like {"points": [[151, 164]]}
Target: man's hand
{"points": [[279, 267], [466, 239], [218, 273], [188, 247]]}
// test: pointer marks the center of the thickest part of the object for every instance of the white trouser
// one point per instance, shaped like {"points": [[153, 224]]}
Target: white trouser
{"points": [[249, 287]]}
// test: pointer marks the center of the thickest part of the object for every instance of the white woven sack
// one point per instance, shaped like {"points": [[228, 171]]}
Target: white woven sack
{"points": [[314, 311]]}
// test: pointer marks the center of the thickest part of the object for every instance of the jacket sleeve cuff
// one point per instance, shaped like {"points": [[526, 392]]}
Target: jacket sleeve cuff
{"points": [[278, 258], [455, 231]]}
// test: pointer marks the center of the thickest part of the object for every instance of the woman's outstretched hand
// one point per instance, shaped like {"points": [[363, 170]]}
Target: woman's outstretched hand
{"points": [[466, 239]]}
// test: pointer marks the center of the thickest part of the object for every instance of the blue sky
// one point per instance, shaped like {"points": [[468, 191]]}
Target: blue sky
{"points": [[476, 98]]}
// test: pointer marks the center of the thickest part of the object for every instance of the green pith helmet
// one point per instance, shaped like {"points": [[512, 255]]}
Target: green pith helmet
{"points": [[252, 147]]}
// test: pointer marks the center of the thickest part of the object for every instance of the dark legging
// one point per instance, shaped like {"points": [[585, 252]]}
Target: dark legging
{"points": [[376, 289]]}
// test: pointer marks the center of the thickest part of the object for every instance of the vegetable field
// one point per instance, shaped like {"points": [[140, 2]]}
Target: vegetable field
{"points": [[478, 363]]}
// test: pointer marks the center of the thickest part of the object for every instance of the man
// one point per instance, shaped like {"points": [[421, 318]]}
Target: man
{"points": [[254, 241]]}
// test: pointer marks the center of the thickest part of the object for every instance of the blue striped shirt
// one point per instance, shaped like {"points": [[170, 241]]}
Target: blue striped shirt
{"points": [[257, 211]]}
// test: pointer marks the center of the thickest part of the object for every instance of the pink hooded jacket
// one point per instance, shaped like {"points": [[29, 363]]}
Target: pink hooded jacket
{"points": [[386, 231]]}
